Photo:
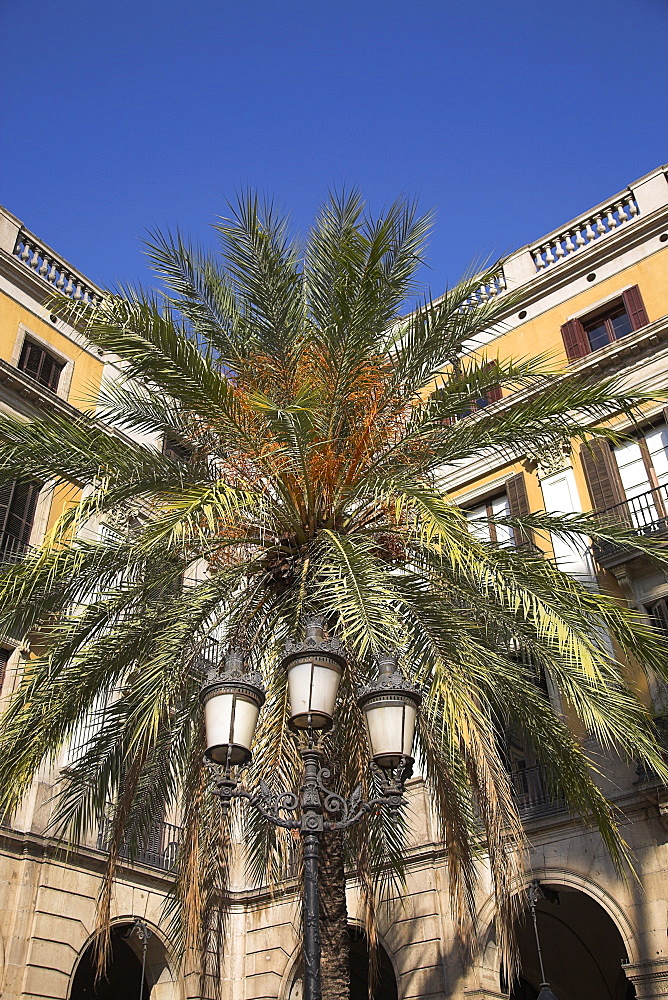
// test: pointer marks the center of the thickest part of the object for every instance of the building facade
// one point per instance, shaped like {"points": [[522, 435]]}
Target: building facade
{"points": [[594, 295]]}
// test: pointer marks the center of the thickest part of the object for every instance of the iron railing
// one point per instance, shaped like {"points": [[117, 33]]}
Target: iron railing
{"points": [[646, 514], [159, 850], [532, 792], [12, 549]]}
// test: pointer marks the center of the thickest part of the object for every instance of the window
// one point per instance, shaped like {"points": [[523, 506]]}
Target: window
{"points": [[37, 362], [175, 450], [18, 502], [613, 324], [513, 502], [617, 319], [631, 477], [4, 660], [658, 613], [491, 395], [482, 520]]}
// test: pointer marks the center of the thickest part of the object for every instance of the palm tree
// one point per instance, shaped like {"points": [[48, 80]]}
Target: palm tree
{"points": [[308, 423]]}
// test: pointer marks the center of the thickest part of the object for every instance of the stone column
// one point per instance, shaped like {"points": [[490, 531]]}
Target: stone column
{"points": [[650, 978]]}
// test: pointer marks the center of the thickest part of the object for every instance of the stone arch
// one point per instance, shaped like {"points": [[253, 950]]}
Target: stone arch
{"points": [[289, 988], [160, 965], [487, 971]]}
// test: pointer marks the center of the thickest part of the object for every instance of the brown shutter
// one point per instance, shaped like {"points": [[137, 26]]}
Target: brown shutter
{"points": [[494, 394], [4, 659], [518, 505], [602, 475], [17, 512], [575, 340], [634, 306]]}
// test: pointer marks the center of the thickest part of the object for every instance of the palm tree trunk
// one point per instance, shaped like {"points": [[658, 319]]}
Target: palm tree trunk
{"points": [[334, 920]]}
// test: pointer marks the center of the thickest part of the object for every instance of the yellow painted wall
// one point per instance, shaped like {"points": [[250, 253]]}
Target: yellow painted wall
{"points": [[542, 334], [87, 373]]}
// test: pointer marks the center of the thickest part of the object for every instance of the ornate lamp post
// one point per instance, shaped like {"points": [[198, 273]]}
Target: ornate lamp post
{"points": [[534, 893], [232, 700]]}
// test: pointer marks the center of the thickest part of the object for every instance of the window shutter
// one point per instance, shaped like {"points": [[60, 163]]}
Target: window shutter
{"points": [[494, 394], [575, 340], [518, 505], [6, 494], [634, 306], [602, 476], [17, 513], [4, 659], [40, 365]]}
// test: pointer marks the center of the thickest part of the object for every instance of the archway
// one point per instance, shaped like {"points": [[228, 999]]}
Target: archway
{"points": [[386, 983], [124, 977], [582, 947]]}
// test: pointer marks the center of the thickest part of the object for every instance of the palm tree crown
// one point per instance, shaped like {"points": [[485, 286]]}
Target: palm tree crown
{"points": [[308, 425]]}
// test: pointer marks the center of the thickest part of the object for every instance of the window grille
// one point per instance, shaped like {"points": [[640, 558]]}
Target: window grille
{"points": [[37, 362]]}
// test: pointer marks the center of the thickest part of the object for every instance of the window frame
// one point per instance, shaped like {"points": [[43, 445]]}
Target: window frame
{"points": [[574, 334], [65, 380]]}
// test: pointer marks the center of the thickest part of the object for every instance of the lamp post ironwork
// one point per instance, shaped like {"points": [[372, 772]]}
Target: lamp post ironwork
{"points": [[534, 893], [314, 667]]}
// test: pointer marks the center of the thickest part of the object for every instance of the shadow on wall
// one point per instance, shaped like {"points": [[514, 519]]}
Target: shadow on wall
{"points": [[386, 985]]}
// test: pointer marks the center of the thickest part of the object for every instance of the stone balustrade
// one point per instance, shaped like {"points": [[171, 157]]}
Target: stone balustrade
{"points": [[53, 271], [490, 290], [586, 230]]}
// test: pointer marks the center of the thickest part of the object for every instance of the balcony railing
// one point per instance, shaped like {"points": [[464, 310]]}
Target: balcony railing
{"points": [[12, 549], [53, 270], [159, 851], [585, 230], [532, 792], [646, 514]]}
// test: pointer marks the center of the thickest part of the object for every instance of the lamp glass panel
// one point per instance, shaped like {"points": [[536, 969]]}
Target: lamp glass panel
{"points": [[313, 689], [245, 720], [218, 720], [391, 729], [222, 732]]}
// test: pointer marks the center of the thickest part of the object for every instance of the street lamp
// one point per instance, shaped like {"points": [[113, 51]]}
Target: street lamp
{"points": [[534, 893], [232, 700]]}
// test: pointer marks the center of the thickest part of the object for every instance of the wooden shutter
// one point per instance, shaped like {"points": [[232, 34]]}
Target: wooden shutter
{"points": [[658, 612], [40, 365], [602, 475], [4, 659], [518, 505], [17, 513], [634, 306], [575, 340], [494, 394]]}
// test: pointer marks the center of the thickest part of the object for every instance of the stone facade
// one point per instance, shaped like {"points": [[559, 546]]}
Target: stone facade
{"points": [[607, 934]]}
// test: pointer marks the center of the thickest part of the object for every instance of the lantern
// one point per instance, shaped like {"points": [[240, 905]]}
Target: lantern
{"points": [[232, 701], [390, 705], [314, 667]]}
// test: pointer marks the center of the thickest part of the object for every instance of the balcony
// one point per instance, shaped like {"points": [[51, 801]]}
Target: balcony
{"points": [[532, 793], [646, 515], [12, 549], [160, 850]]}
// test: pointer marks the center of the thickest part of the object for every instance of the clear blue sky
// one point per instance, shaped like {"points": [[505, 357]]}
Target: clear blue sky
{"points": [[508, 118]]}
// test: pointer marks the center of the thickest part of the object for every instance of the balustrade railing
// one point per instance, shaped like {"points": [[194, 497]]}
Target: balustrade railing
{"points": [[490, 290], [646, 514], [36, 257], [532, 793], [159, 850], [12, 549], [584, 231]]}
